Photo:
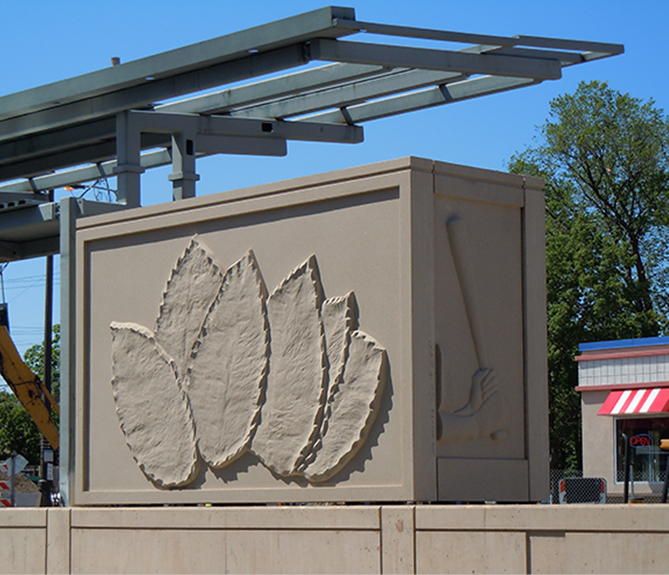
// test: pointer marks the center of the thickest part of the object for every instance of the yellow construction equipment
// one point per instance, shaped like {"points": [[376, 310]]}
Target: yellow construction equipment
{"points": [[28, 388]]}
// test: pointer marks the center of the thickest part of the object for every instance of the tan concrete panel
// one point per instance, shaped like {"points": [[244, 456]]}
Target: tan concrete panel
{"points": [[375, 232], [452, 517], [148, 551], [470, 552], [479, 319], [536, 367], [58, 541], [482, 479], [365, 517], [340, 274], [547, 552], [616, 553], [635, 518], [397, 539], [23, 550], [303, 552], [23, 518]]}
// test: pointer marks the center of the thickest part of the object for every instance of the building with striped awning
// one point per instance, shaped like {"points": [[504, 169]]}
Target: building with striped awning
{"points": [[624, 389]]}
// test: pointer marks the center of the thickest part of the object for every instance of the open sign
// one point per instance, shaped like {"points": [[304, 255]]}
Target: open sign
{"points": [[641, 440]]}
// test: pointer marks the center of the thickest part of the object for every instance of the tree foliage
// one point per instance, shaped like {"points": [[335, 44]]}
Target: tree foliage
{"points": [[605, 158], [34, 358], [18, 432]]}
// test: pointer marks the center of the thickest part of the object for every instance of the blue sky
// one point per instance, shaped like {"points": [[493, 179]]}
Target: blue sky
{"points": [[45, 42]]}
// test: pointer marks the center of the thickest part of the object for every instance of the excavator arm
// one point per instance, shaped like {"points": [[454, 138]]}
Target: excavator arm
{"points": [[28, 388]]}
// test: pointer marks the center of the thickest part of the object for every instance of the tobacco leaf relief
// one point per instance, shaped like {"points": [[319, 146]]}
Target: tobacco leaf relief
{"points": [[297, 379], [228, 366], [230, 369], [152, 407]]}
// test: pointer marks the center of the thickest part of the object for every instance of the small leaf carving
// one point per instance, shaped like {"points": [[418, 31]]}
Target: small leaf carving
{"points": [[228, 366], [191, 288], [340, 317], [151, 406], [297, 379], [352, 408]]}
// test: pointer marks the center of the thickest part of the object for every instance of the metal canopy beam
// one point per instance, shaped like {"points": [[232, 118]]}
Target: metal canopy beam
{"points": [[73, 122], [188, 130], [347, 94], [153, 89], [98, 144], [421, 100], [287, 85], [428, 59], [469, 38], [176, 63]]}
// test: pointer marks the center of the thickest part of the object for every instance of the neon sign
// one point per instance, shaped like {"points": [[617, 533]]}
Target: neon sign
{"points": [[641, 440]]}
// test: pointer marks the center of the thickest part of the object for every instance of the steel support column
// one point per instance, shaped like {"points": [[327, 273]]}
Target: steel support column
{"points": [[183, 176], [128, 152], [69, 210]]}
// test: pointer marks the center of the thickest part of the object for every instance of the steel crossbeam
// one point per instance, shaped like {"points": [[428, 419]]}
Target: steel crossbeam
{"points": [[191, 133]]}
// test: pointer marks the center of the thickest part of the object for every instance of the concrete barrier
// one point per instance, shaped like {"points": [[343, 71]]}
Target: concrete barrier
{"points": [[337, 539]]}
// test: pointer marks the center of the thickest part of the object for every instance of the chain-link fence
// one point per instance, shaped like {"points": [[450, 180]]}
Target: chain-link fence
{"points": [[569, 486]]}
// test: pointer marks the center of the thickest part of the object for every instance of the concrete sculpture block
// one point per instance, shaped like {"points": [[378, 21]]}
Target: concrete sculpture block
{"points": [[402, 358]]}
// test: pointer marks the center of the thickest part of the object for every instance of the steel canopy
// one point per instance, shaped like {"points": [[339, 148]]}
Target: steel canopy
{"points": [[75, 130]]}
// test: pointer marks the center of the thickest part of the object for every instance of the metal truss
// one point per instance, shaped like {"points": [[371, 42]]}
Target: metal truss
{"points": [[115, 122]]}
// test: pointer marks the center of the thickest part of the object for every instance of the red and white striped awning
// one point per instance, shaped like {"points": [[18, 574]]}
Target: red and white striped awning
{"points": [[630, 401]]}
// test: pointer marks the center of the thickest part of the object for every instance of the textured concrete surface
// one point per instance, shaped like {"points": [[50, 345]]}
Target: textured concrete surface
{"points": [[338, 539], [152, 407], [297, 380], [227, 370], [352, 408]]}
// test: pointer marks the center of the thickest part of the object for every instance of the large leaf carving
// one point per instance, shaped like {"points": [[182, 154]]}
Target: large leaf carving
{"points": [[191, 288], [151, 406], [297, 379], [228, 366], [352, 408]]}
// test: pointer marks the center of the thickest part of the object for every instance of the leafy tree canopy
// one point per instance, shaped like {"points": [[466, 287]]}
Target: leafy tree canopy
{"points": [[34, 358], [605, 158]]}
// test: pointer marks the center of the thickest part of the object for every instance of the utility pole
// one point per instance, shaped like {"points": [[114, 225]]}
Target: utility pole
{"points": [[46, 451]]}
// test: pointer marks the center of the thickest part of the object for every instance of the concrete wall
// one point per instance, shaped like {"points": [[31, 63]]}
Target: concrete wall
{"points": [[337, 539], [446, 264]]}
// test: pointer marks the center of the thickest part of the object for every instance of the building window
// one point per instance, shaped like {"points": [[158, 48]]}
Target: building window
{"points": [[648, 460]]}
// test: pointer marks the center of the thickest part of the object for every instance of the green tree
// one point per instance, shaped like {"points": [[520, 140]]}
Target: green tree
{"points": [[18, 432], [605, 158], [34, 358]]}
